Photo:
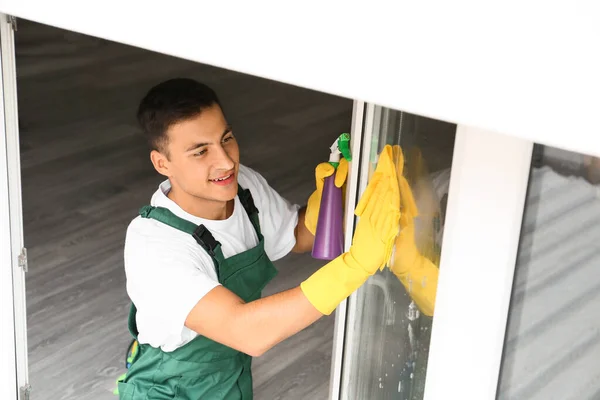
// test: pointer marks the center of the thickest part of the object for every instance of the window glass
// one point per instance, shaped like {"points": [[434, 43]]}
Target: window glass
{"points": [[388, 344], [552, 344]]}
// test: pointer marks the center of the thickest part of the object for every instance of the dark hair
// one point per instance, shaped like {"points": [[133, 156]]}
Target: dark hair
{"points": [[168, 103]]}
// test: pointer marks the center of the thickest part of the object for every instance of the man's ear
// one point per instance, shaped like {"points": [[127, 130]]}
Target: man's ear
{"points": [[161, 163]]}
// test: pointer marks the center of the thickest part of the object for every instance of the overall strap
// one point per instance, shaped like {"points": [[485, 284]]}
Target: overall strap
{"points": [[199, 232], [248, 204]]}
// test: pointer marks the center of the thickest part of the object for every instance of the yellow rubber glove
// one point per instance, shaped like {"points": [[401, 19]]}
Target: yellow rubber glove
{"points": [[372, 242], [417, 273], [322, 171]]}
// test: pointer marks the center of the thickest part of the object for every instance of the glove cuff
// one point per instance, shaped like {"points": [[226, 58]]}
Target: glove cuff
{"points": [[334, 282]]}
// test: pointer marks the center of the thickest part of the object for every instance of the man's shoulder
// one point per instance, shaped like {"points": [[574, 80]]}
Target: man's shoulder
{"points": [[150, 243], [151, 232], [145, 226]]}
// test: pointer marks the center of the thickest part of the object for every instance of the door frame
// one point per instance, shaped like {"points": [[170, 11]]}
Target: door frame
{"points": [[13, 263]]}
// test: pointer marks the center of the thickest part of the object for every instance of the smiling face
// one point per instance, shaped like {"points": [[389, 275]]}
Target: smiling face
{"points": [[191, 144], [202, 163]]}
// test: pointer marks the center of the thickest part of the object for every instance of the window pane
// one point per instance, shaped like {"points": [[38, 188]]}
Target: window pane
{"points": [[388, 350], [552, 344]]}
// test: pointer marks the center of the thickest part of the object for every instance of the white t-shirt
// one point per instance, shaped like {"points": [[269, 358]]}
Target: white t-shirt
{"points": [[168, 272]]}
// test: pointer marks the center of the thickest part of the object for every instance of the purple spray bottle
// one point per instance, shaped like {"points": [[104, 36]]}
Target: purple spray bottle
{"points": [[329, 236]]}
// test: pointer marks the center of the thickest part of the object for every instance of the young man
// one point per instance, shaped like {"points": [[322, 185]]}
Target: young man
{"points": [[198, 257]]}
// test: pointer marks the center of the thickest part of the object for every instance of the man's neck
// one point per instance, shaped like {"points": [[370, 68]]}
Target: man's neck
{"points": [[202, 208]]}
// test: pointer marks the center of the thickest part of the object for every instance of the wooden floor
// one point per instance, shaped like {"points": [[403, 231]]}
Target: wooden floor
{"points": [[85, 172]]}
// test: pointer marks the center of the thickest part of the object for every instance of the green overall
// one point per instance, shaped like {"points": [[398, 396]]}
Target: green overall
{"points": [[202, 368]]}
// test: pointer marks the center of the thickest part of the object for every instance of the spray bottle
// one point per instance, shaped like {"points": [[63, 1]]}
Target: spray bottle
{"points": [[329, 236]]}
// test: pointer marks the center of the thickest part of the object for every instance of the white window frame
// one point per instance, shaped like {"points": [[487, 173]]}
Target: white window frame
{"points": [[8, 377], [488, 186], [354, 308], [13, 324], [356, 134]]}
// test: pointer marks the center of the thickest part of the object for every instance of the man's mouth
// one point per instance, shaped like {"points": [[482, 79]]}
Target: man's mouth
{"points": [[224, 180]]}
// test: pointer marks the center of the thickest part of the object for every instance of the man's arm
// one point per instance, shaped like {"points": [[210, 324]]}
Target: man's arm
{"points": [[304, 239], [255, 327]]}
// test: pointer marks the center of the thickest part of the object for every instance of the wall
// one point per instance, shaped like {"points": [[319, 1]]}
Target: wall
{"points": [[519, 69]]}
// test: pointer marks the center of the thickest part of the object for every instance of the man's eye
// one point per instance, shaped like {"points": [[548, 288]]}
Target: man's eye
{"points": [[200, 153], [228, 138]]}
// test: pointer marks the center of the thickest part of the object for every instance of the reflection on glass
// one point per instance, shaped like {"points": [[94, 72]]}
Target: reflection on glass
{"points": [[552, 344], [386, 354]]}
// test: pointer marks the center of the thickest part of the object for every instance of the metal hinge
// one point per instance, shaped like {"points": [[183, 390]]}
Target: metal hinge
{"points": [[12, 21], [23, 259], [24, 392]]}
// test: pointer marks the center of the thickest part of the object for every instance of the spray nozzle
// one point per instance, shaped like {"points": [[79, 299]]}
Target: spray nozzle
{"points": [[344, 146], [341, 147]]}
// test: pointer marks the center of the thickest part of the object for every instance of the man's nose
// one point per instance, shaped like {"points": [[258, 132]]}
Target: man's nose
{"points": [[223, 160]]}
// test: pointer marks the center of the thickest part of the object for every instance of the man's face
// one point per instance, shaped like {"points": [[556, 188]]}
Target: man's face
{"points": [[203, 157]]}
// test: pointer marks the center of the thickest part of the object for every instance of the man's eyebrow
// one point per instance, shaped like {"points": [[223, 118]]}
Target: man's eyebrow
{"points": [[226, 131], [198, 145]]}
